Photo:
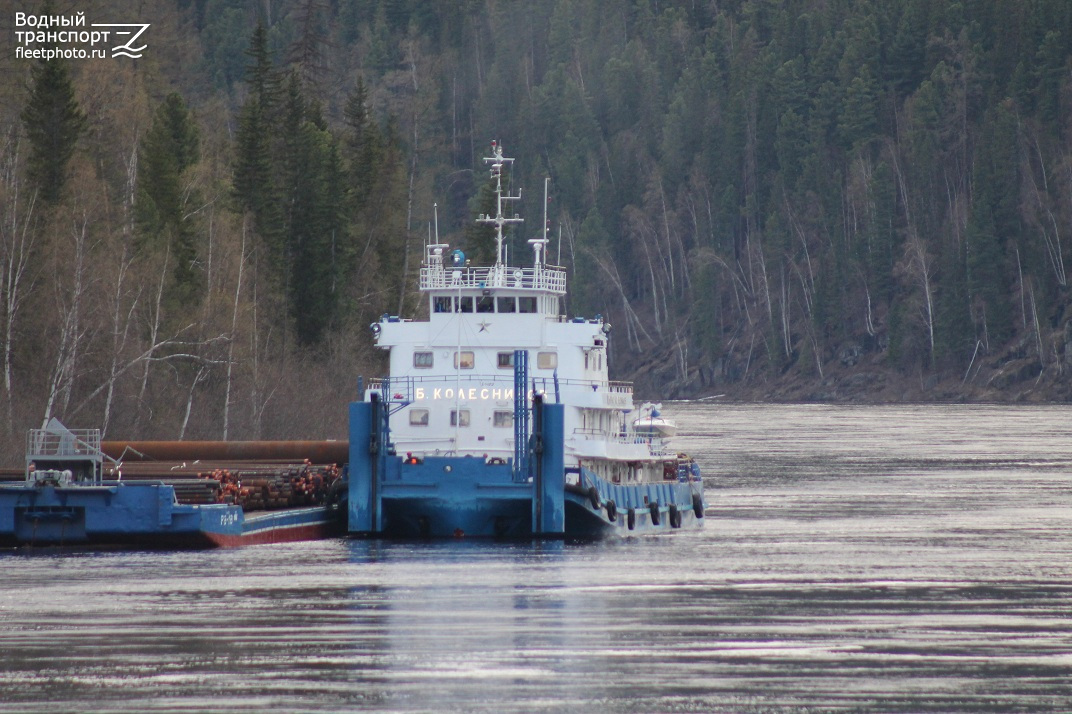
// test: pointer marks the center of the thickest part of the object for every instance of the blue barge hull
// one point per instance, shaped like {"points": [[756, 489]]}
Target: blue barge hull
{"points": [[145, 515]]}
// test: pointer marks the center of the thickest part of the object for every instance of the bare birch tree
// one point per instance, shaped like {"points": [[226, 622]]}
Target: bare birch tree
{"points": [[16, 249]]}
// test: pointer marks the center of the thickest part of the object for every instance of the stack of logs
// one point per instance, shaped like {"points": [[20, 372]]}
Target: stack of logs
{"points": [[258, 488], [254, 485]]}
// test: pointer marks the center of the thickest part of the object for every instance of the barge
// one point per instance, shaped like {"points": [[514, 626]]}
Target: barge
{"points": [[70, 496]]}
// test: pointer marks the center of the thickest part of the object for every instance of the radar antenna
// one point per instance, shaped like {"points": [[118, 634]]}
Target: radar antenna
{"points": [[497, 162]]}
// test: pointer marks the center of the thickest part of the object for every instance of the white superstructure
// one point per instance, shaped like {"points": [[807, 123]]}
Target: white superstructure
{"points": [[452, 376]]}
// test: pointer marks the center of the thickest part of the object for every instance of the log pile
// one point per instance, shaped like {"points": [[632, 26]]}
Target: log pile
{"points": [[254, 485], [258, 488]]}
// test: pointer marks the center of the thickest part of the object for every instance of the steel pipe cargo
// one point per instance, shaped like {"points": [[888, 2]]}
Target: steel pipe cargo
{"points": [[319, 452]]}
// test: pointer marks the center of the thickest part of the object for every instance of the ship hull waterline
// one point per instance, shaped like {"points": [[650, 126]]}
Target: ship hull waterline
{"points": [[144, 515], [452, 497]]}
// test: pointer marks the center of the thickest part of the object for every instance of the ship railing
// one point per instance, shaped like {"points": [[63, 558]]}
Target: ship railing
{"points": [[659, 447], [75, 443], [545, 277], [404, 389], [75, 449]]}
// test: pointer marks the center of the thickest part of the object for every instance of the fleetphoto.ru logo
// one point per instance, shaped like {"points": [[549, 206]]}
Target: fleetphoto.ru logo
{"points": [[69, 37]]}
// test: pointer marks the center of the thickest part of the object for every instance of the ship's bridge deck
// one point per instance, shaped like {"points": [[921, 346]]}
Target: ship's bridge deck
{"points": [[543, 278]]}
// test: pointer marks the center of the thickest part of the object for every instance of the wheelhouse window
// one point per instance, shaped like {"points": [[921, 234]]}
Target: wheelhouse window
{"points": [[526, 304], [546, 360], [423, 360], [485, 303], [506, 360], [507, 304], [503, 419], [443, 304], [418, 417], [465, 304], [463, 360], [459, 417]]}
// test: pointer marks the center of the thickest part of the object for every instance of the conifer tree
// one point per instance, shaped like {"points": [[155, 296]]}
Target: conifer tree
{"points": [[364, 147], [170, 148], [53, 122], [253, 175], [993, 225]]}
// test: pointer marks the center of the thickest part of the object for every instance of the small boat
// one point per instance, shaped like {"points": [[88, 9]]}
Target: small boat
{"points": [[69, 498], [499, 419], [653, 424]]}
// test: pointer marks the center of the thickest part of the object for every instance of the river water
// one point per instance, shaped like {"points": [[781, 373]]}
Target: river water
{"points": [[900, 559]]}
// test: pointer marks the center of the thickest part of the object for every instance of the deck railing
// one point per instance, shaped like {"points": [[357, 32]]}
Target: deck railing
{"points": [[658, 446], [405, 388], [548, 278], [76, 443]]}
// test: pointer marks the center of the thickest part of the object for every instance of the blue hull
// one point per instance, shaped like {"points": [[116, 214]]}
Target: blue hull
{"points": [[144, 515], [474, 499], [444, 497], [629, 510]]}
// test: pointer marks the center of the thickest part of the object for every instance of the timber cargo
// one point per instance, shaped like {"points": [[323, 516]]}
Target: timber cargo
{"points": [[72, 493]]}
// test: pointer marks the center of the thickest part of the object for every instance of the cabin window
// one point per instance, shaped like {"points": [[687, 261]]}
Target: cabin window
{"points": [[485, 303], [465, 304], [462, 421], [503, 419], [418, 417], [507, 304], [423, 360], [526, 304], [443, 304], [546, 360], [463, 360], [506, 360]]}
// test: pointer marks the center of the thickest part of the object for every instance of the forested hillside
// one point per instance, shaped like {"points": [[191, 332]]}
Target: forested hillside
{"points": [[800, 199]]}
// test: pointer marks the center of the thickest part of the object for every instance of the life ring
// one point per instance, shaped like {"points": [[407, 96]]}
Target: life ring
{"points": [[675, 516], [593, 496], [654, 509], [630, 518], [697, 505], [612, 511]]}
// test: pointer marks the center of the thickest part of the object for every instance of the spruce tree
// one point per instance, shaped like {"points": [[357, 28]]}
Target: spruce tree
{"points": [[53, 122], [254, 187], [170, 148], [364, 149]]}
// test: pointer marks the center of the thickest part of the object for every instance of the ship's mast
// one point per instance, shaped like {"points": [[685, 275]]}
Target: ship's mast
{"points": [[499, 220], [539, 245]]}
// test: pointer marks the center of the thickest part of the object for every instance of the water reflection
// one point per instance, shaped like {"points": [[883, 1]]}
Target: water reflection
{"points": [[884, 558]]}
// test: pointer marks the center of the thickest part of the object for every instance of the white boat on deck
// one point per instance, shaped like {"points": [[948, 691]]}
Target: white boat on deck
{"points": [[652, 423]]}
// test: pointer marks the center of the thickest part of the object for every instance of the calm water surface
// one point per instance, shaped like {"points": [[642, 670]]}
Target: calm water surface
{"points": [[906, 559]]}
